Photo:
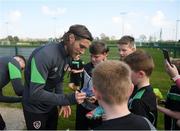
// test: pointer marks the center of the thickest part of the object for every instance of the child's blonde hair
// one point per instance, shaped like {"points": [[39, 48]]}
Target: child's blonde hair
{"points": [[112, 79]]}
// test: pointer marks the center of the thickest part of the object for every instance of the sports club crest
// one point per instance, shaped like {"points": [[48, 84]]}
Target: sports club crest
{"points": [[37, 124]]}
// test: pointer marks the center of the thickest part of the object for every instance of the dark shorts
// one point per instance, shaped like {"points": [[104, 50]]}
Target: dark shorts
{"points": [[75, 78], [2, 123], [41, 121]]}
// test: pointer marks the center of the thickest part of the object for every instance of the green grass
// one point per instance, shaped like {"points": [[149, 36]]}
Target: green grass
{"points": [[159, 79]]}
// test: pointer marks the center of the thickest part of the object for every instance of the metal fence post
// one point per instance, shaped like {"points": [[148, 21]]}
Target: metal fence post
{"points": [[16, 50]]}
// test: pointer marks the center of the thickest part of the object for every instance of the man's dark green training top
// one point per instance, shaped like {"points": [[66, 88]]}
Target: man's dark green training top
{"points": [[44, 79]]}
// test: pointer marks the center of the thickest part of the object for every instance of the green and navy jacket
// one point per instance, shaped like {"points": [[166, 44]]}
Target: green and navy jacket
{"points": [[143, 102], [10, 70], [44, 79], [172, 103]]}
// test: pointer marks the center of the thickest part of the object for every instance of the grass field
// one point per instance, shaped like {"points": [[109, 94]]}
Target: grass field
{"points": [[159, 79]]}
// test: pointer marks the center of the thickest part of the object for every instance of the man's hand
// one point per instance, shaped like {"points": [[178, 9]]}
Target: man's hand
{"points": [[65, 110], [80, 96]]}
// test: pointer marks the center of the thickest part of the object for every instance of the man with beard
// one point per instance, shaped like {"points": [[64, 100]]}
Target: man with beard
{"points": [[44, 78]]}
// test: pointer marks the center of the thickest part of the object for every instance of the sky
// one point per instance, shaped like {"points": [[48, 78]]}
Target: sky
{"points": [[114, 18]]}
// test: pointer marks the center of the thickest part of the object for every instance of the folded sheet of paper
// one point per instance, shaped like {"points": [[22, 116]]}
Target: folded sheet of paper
{"points": [[87, 86]]}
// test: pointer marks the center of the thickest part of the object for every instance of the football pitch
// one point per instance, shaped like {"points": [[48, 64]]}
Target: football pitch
{"points": [[159, 79]]}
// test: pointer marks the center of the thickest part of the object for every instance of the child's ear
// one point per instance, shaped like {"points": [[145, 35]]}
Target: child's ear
{"points": [[134, 49], [96, 93], [141, 74], [105, 56], [131, 89]]}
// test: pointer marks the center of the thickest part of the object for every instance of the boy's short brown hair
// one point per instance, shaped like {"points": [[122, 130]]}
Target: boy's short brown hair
{"points": [[140, 60], [125, 40], [98, 47], [112, 79]]}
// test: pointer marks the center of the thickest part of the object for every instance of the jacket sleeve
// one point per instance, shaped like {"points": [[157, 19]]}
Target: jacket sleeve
{"points": [[59, 88], [8, 99], [40, 66], [16, 78]]}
